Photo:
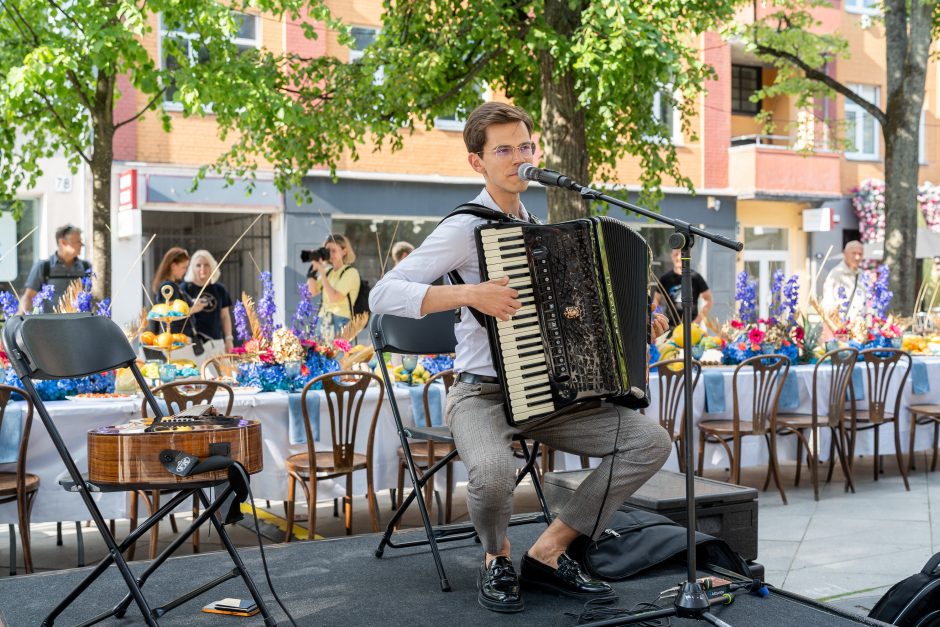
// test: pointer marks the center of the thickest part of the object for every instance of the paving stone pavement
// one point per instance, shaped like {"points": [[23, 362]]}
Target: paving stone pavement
{"points": [[846, 549]]}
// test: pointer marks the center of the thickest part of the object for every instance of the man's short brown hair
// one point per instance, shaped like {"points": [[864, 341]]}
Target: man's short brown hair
{"points": [[474, 130]]}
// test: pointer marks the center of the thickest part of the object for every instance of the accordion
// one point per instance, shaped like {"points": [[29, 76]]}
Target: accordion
{"points": [[583, 329]]}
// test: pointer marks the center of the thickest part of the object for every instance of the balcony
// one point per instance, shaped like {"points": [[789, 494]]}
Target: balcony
{"points": [[774, 167]]}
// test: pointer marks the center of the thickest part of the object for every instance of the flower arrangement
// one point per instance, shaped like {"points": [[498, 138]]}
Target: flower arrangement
{"points": [[748, 335], [78, 298], [868, 201]]}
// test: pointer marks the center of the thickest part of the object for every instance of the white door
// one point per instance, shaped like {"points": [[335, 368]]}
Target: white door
{"points": [[765, 252]]}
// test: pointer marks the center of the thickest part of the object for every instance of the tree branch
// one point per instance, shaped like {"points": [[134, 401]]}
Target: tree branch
{"points": [[147, 108], [67, 16], [19, 18], [821, 77], [65, 128]]}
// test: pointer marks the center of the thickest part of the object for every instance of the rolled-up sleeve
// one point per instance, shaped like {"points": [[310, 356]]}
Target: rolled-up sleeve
{"points": [[403, 288]]}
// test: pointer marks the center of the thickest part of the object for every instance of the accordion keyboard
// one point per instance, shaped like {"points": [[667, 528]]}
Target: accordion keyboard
{"points": [[525, 364]]}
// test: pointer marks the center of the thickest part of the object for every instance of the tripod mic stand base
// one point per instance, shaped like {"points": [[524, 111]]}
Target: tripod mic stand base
{"points": [[691, 601]]}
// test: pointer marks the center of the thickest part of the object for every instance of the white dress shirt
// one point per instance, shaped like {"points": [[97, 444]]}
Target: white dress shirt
{"points": [[451, 246]]}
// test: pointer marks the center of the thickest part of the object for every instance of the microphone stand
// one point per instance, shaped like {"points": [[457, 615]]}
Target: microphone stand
{"points": [[691, 601]]}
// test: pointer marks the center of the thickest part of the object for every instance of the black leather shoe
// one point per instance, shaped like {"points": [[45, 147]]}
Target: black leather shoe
{"points": [[568, 579], [499, 586]]}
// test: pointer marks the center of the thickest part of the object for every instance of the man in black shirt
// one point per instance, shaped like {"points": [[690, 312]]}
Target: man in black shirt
{"points": [[671, 283]]}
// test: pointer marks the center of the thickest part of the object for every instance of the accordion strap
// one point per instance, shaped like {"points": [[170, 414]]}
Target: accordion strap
{"points": [[480, 211]]}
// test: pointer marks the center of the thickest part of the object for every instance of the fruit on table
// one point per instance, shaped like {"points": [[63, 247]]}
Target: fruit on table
{"points": [[180, 306], [164, 340], [159, 310], [679, 340], [147, 338]]}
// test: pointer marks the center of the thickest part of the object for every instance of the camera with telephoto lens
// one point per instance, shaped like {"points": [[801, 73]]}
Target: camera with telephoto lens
{"points": [[320, 254]]}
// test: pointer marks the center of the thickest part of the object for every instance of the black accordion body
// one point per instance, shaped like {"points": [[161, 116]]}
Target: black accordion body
{"points": [[583, 329]]}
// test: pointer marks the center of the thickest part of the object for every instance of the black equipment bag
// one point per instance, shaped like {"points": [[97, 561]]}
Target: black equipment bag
{"points": [[361, 305], [635, 540], [913, 602]]}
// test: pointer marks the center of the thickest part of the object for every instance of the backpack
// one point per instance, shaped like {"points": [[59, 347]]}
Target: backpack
{"points": [[913, 602], [361, 305], [635, 540]]}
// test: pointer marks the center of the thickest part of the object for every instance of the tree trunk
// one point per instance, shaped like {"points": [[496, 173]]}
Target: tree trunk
{"points": [[908, 36], [101, 163], [564, 141]]}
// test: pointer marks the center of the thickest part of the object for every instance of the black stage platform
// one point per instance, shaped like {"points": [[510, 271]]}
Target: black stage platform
{"points": [[340, 582]]}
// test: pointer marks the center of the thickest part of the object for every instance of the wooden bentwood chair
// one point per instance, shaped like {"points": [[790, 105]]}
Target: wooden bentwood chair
{"points": [[19, 485], [840, 363], [883, 366], [431, 335], [769, 372], [345, 392], [671, 400], [178, 396]]}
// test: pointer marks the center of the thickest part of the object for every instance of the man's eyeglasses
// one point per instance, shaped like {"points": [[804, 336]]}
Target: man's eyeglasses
{"points": [[526, 151]]}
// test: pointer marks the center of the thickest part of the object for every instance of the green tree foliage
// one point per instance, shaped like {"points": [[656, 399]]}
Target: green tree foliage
{"points": [[59, 65], [588, 71], [789, 37]]}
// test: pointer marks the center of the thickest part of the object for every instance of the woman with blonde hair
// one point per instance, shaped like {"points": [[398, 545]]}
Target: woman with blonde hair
{"points": [[339, 283], [213, 323]]}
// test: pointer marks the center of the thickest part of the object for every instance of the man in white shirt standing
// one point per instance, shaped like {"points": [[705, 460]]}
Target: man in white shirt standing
{"points": [[845, 276], [499, 139]]}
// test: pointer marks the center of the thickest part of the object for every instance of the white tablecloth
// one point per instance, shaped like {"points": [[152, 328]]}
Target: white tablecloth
{"points": [[74, 419]]}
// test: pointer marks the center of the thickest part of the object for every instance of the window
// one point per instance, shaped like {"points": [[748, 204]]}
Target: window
{"points": [[15, 268], [362, 37], [245, 38], [745, 80], [861, 129], [455, 121], [666, 113], [867, 7]]}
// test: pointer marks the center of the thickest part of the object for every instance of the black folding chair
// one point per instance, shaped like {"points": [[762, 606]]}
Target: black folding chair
{"points": [[60, 346], [431, 335]]}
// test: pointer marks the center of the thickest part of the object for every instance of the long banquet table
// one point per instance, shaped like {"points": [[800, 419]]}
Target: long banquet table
{"points": [[74, 419]]}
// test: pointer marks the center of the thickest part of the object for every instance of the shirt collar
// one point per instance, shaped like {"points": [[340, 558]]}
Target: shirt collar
{"points": [[487, 201]]}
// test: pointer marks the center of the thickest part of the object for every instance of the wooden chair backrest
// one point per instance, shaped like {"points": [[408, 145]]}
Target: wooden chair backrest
{"points": [[881, 365], [345, 392], [671, 398], [770, 371], [220, 366], [182, 394], [841, 362], [6, 391]]}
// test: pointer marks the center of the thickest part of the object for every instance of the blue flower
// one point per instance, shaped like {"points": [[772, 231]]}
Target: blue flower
{"points": [[746, 297], [303, 322], [103, 308], [266, 306], [8, 304], [242, 327], [881, 295], [46, 293]]}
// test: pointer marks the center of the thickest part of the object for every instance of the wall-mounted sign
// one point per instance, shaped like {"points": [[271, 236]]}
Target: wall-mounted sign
{"points": [[816, 220], [127, 190]]}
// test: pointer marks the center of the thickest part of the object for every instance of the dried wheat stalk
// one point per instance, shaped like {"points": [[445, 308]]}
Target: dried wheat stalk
{"points": [[67, 300], [253, 321], [355, 326]]}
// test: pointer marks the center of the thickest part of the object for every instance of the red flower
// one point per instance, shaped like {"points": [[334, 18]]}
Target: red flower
{"points": [[756, 336], [798, 333], [737, 324]]}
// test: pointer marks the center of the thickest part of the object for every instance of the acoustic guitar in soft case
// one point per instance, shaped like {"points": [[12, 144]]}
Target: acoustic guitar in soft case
{"points": [[129, 454]]}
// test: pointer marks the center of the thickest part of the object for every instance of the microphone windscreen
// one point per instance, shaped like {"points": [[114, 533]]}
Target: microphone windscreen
{"points": [[528, 172]]}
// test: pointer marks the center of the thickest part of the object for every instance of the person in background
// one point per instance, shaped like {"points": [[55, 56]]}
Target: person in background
{"points": [[170, 272], [400, 250], [338, 281], [214, 322], [60, 270], [845, 275], [671, 283]]}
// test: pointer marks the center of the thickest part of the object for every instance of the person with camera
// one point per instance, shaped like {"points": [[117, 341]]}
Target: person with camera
{"points": [[331, 273], [213, 323]]}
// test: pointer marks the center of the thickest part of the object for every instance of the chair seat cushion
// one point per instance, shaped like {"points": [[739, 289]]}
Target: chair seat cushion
{"points": [[8, 483], [300, 463]]}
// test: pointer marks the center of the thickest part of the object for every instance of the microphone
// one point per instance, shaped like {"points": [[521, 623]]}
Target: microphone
{"points": [[529, 172]]}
